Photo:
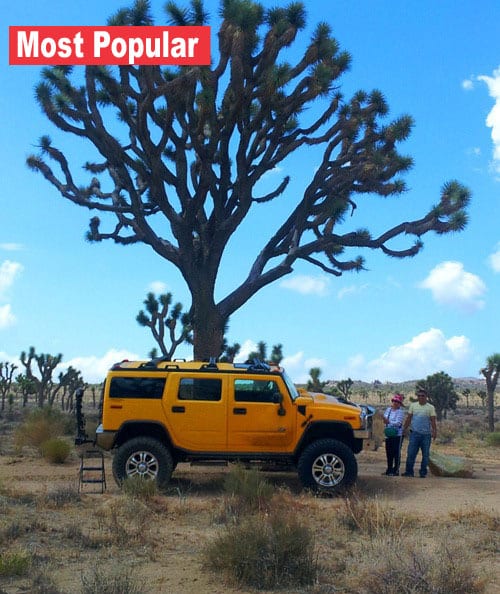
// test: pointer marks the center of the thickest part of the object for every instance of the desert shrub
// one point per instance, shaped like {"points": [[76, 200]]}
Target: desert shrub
{"points": [[493, 439], [408, 567], [137, 487], [43, 583], [62, 495], [447, 432], [265, 551], [125, 521], [56, 450], [39, 426], [371, 516], [15, 563], [247, 489], [105, 581]]}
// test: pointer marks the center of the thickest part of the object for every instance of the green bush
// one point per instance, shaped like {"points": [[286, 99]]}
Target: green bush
{"points": [[247, 489], [493, 439], [41, 425], [139, 488], [111, 582], [55, 450], [15, 563], [266, 551]]}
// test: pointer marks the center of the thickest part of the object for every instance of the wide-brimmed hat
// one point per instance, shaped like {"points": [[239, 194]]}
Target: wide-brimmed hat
{"points": [[397, 398]]}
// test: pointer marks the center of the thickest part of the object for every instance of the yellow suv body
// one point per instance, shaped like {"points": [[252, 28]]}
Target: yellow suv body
{"points": [[158, 413]]}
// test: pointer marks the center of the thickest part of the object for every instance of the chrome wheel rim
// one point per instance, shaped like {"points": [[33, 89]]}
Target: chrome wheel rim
{"points": [[143, 464], [328, 470]]}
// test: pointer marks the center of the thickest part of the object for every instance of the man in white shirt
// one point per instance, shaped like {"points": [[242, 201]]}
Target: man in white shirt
{"points": [[421, 420]]}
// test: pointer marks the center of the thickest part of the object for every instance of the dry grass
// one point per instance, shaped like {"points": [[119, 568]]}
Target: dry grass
{"points": [[149, 542]]}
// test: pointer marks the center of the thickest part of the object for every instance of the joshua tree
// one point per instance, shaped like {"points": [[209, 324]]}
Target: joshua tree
{"points": [[491, 372], [315, 384], [43, 381], [183, 173], [159, 317], [6, 374]]}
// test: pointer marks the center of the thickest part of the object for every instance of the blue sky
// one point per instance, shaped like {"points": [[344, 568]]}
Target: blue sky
{"points": [[398, 320]]}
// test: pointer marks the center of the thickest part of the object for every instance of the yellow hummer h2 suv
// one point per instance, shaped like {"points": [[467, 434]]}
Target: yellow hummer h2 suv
{"points": [[158, 413]]}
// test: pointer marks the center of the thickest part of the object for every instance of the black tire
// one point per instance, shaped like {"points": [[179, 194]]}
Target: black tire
{"points": [[327, 466], [145, 457]]}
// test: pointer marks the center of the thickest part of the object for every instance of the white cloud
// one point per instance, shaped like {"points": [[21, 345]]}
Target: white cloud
{"points": [[494, 259], [468, 84], [307, 285], [425, 354], [8, 272], [452, 286], [351, 290], [493, 118], [11, 247], [7, 318], [93, 368], [158, 287], [246, 348]]}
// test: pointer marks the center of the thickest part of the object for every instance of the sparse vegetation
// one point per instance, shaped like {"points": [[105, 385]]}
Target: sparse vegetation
{"points": [[410, 566], [265, 551], [54, 540], [56, 450], [119, 581], [15, 563], [493, 439]]}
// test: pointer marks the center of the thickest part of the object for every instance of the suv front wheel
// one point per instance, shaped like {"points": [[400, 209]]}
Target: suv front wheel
{"points": [[144, 457], [327, 465]]}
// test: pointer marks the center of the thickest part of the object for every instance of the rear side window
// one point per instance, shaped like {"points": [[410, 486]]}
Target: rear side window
{"points": [[136, 387], [191, 388]]}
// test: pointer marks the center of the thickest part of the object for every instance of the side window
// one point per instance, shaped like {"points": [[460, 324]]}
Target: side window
{"points": [[136, 387], [191, 388], [246, 390]]}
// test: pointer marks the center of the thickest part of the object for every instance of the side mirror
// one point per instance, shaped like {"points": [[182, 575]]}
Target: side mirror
{"points": [[278, 399]]}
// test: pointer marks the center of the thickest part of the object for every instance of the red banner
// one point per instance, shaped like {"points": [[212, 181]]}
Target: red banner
{"points": [[179, 46]]}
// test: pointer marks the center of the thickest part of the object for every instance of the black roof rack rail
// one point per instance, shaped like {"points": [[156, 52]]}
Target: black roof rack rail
{"points": [[153, 363]]}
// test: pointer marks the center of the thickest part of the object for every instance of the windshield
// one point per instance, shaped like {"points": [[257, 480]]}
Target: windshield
{"points": [[290, 385]]}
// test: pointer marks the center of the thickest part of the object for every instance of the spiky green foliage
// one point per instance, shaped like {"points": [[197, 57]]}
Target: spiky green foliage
{"points": [[195, 143]]}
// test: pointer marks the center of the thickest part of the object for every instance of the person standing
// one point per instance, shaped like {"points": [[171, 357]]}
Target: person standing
{"points": [[421, 420], [393, 419]]}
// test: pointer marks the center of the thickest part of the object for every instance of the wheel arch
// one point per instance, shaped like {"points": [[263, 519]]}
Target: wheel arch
{"points": [[133, 429], [339, 430]]}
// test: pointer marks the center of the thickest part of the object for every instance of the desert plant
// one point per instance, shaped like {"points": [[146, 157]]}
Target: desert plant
{"points": [[267, 551], [39, 426], [56, 450], [371, 516], [137, 487], [62, 495], [493, 439], [247, 489], [104, 581], [415, 567], [43, 583], [15, 563]]}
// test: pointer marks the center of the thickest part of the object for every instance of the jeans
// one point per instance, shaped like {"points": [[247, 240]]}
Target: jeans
{"points": [[418, 441]]}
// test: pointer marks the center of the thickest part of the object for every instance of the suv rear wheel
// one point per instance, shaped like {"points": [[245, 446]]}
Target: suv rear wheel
{"points": [[144, 457], [327, 465]]}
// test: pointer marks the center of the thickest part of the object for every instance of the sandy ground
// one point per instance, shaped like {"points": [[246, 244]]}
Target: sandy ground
{"points": [[179, 570]]}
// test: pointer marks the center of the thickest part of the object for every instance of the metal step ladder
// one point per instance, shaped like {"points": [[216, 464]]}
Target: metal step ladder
{"points": [[92, 471]]}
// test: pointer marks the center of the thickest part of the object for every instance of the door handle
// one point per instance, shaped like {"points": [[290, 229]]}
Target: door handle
{"points": [[178, 409], [239, 411]]}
